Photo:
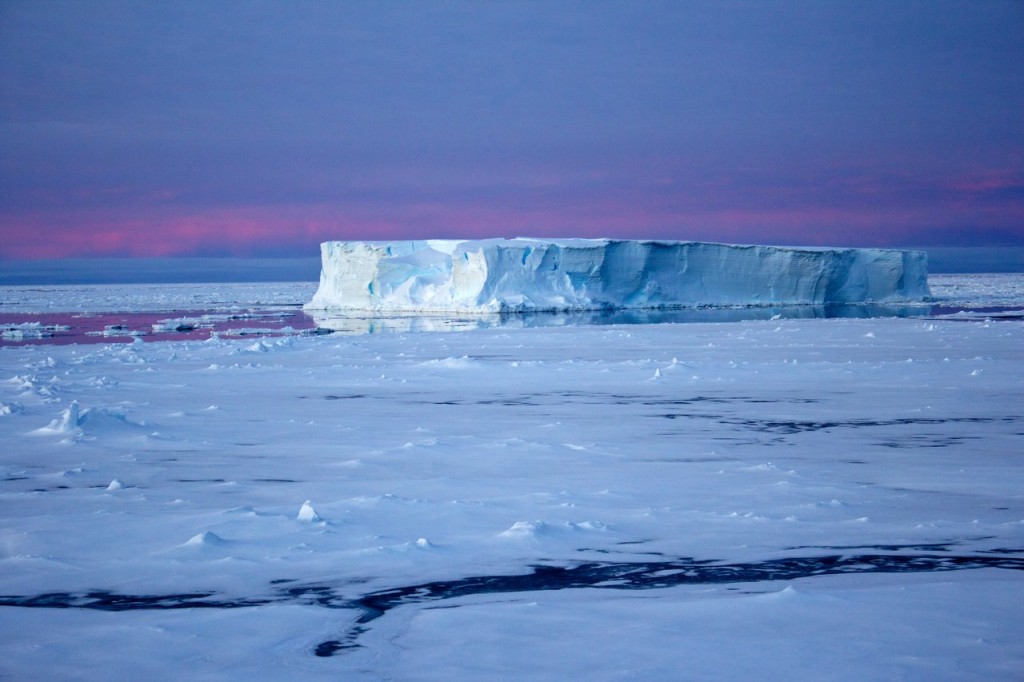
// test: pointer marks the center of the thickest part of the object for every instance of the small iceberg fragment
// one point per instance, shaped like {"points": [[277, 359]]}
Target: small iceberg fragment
{"points": [[116, 330], [68, 421], [308, 514], [587, 526], [31, 330], [74, 420], [116, 484], [526, 529], [206, 539], [180, 325]]}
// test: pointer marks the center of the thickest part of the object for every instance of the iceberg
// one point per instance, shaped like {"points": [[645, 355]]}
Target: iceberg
{"points": [[527, 275]]}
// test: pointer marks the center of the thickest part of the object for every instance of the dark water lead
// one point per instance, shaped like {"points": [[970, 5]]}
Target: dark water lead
{"points": [[594, 575]]}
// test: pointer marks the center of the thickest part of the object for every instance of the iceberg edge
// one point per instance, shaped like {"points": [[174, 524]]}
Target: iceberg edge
{"points": [[537, 275]]}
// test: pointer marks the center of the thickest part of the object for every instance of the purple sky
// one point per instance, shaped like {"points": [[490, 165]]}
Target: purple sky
{"points": [[262, 128]]}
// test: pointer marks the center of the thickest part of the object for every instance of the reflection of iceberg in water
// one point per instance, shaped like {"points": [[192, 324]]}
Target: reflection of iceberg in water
{"points": [[356, 322], [340, 322]]}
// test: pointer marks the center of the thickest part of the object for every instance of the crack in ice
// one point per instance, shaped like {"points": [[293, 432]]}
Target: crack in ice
{"points": [[644, 575]]}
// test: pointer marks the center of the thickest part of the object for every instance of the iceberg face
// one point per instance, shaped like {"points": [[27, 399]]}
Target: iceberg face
{"points": [[519, 275]]}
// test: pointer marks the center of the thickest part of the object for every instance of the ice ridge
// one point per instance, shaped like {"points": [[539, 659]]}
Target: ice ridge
{"points": [[522, 275]]}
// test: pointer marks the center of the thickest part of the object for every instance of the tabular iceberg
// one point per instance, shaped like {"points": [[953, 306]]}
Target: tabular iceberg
{"points": [[520, 275]]}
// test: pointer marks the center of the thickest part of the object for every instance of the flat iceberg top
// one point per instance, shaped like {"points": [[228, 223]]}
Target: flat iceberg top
{"points": [[525, 274]]}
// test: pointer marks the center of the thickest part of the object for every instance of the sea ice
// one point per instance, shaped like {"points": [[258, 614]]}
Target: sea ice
{"points": [[30, 330], [518, 275], [791, 498]]}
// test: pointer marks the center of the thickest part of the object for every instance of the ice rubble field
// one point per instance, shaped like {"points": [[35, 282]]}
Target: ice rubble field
{"points": [[777, 499]]}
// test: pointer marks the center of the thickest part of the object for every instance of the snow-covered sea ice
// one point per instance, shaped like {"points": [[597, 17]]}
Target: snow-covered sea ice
{"points": [[788, 498]]}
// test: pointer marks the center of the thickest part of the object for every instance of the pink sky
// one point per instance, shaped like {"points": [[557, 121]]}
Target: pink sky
{"points": [[197, 130]]}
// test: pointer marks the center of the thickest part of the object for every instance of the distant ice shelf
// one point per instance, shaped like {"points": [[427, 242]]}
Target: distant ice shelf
{"points": [[525, 275]]}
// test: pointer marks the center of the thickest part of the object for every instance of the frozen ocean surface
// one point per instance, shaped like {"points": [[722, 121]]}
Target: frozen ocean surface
{"points": [[803, 497]]}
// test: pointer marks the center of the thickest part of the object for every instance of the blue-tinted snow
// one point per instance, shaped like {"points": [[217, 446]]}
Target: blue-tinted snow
{"points": [[287, 481]]}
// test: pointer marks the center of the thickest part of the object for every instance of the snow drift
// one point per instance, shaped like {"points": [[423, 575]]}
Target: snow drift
{"points": [[518, 275]]}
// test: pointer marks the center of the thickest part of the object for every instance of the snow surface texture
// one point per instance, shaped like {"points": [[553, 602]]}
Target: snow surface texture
{"points": [[519, 275], [831, 473]]}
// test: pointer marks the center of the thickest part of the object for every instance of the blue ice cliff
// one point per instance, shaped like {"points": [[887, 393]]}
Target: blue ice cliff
{"points": [[519, 275]]}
